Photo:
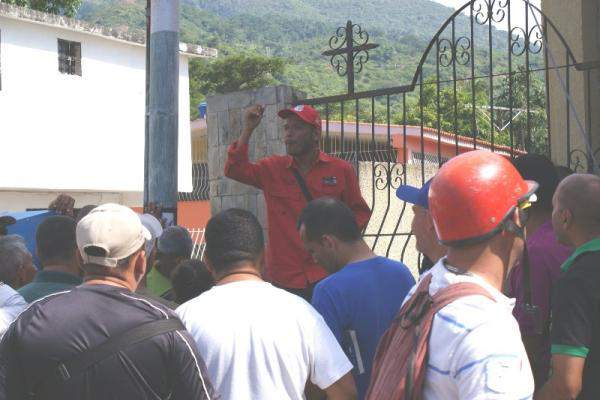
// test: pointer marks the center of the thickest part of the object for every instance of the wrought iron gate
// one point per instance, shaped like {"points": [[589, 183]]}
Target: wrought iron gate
{"points": [[475, 87]]}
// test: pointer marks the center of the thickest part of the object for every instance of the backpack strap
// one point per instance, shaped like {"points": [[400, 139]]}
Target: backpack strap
{"points": [[82, 361], [453, 292], [425, 313], [302, 184]]}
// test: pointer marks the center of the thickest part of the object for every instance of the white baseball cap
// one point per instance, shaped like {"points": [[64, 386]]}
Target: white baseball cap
{"points": [[109, 233]]}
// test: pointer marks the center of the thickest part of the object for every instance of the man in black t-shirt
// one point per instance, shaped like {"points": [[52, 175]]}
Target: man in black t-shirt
{"points": [[576, 302], [58, 328]]}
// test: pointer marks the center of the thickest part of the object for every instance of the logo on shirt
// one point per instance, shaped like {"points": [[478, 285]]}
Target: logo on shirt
{"points": [[329, 180]]}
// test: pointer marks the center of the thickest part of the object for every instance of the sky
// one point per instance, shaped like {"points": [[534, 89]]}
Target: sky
{"points": [[517, 11]]}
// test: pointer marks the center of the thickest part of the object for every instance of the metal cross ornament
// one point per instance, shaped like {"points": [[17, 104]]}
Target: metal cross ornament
{"points": [[355, 54]]}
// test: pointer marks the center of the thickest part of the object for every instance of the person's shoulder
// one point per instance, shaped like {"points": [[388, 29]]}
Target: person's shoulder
{"points": [[29, 290], [288, 302], [47, 303], [582, 275], [150, 304], [395, 266], [587, 264], [469, 313], [199, 303]]}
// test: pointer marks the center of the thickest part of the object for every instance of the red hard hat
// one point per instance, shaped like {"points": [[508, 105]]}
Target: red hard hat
{"points": [[473, 194]]}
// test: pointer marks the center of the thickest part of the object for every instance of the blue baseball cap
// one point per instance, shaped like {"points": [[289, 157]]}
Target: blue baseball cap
{"points": [[414, 195]]}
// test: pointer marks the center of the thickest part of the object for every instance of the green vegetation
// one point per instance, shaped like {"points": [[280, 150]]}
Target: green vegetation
{"points": [[61, 7], [269, 42]]}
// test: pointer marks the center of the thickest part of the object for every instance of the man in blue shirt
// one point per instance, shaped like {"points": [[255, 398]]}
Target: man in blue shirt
{"points": [[363, 293]]}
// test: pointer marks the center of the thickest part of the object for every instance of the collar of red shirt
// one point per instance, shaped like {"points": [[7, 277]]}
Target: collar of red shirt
{"points": [[323, 157]]}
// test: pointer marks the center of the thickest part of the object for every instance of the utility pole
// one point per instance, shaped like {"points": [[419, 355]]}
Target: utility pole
{"points": [[147, 106], [164, 107]]}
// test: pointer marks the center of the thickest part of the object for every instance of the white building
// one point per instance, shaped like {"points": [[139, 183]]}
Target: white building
{"points": [[72, 102]]}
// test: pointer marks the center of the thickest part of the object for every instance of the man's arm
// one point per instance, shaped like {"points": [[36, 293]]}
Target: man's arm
{"points": [[324, 303], [188, 371], [343, 389], [575, 303], [12, 384], [238, 167], [354, 200], [565, 382], [330, 309], [331, 369]]}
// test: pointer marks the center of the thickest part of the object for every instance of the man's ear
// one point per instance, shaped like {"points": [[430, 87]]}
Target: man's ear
{"points": [[261, 263], [139, 268], [20, 277], [429, 220], [209, 266], [567, 218], [329, 241]]}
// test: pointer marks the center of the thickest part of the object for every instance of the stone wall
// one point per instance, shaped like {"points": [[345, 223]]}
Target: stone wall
{"points": [[389, 228], [224, 126]]}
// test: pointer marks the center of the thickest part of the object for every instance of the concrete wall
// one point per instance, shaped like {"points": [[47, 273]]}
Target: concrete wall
{"points": [[72, 133], [19, 200], [578, 22], [224, 124], [391, 218], [390, 225]]}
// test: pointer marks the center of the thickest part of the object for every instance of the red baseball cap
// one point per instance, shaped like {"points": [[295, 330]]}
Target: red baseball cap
{"points": [[305, 112]]}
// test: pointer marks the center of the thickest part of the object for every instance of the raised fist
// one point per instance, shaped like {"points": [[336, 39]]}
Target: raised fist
{"points": [[252, 117]]}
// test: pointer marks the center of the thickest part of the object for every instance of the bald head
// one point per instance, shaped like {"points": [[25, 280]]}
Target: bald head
{"points": [[580, 194]]}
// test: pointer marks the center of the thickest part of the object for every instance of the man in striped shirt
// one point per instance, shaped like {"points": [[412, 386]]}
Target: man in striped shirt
{"points": [[477, 201]]}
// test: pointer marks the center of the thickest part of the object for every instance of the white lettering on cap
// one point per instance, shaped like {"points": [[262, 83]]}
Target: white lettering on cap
{"points": [[299, 108]]}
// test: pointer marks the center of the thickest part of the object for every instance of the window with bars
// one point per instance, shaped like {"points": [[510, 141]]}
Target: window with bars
{"points": [[69, 57]]}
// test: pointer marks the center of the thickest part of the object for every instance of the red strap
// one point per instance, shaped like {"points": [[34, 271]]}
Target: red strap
{"points": [[453, 292]]}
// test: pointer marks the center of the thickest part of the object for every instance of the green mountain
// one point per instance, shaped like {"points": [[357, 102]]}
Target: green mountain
{"points": [[299, 31]]}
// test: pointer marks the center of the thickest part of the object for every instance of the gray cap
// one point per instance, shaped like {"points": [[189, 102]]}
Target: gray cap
{"points": [[176, 241]]}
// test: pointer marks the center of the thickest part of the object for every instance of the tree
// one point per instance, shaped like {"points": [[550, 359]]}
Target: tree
{"points": [[62, 7], [232, 73], [237, 72]]}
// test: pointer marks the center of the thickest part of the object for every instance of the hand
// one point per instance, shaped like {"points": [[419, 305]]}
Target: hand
{"points": [[63, 205], [252, 117]]}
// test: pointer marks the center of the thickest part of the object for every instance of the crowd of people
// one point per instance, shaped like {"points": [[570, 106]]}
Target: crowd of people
{"points": [[507, 308]]}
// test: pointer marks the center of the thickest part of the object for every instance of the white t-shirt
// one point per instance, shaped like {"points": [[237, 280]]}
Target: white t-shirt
{"points": [[475, 348], [11, 305], [260, 342]]}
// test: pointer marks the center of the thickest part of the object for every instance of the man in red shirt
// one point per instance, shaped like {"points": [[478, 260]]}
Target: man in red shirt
{"points": [[288, 264]]}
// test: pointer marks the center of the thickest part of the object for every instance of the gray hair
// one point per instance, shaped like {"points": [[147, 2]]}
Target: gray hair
{"points": [[13, 254]]}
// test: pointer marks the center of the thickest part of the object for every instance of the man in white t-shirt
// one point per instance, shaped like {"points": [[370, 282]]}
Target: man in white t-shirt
{"points": [[258, 341], [478, 203]]}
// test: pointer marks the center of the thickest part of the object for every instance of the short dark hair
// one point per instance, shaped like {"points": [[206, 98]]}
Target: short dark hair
{"points": [[190, 279], [539, 168], [175, 241], [83, 211], [55, 239], [328, 216], [233, 236]]}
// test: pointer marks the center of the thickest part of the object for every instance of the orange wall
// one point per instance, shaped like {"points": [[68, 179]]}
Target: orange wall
{"points": [[193, 214], [190, 214]]}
